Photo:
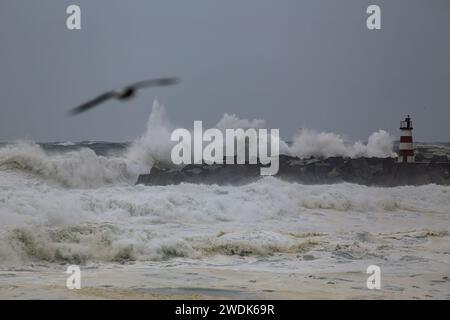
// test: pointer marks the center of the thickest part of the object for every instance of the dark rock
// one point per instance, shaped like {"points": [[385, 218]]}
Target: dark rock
{"points": [[384, 172], [439, 159]]}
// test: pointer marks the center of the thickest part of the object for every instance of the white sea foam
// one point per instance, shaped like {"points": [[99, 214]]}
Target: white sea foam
{"points": [[309, 143], [41, 222], [77, 206], [84, 169], [64, 144], [155, 145], [78, 169]]}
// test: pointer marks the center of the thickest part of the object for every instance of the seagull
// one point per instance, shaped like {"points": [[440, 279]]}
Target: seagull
{"points": [[123, 94]]}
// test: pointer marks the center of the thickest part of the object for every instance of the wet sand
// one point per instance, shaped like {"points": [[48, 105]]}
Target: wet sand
{"points": [[140, 281]]}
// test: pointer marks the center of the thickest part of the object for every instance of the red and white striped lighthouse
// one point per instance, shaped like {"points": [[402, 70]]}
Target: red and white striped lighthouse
{"points": [[406, 149]]}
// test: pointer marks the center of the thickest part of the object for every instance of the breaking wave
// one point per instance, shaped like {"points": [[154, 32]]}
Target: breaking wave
{"points": [[76, 169], [83, 168], [66, 203], [309, 143], [122, 223]]}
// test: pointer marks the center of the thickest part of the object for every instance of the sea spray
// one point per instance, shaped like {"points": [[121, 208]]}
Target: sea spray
{"points": [[50, 224], [76, 169], [155, 145], [310, 143], [83, 168]]}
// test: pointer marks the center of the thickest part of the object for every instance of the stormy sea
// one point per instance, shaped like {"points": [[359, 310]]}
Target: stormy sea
{"points": [[65, 203]]}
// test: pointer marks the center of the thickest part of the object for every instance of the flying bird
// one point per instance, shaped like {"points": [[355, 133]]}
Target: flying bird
{"points": [[123, 94]]}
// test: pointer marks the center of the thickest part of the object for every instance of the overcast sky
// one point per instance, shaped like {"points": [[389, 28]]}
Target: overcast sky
{"points": [[294, 63]]}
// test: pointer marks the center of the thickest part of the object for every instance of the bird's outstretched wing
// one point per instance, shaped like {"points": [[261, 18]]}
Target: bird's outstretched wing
{"points": [[154, 83], [124, 93], [93, 103]]}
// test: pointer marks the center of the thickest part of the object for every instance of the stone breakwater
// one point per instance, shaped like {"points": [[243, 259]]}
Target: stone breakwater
{"points": [[382, 172]]}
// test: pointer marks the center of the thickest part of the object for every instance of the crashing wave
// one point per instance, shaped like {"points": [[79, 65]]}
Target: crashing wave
{"points": [[83, 168], [77, 169], [45, 223]]}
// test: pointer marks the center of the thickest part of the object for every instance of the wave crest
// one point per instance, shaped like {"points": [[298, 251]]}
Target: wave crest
{"points": [[76, 169]]}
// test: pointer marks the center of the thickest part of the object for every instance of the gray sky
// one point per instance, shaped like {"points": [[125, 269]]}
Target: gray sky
{"points": [[294, 63]]}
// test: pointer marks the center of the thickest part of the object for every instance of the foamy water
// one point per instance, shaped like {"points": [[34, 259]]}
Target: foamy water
{"points": [[81, 207]]}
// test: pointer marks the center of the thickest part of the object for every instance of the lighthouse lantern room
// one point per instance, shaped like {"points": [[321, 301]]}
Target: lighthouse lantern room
{"points": [[406, 149]]}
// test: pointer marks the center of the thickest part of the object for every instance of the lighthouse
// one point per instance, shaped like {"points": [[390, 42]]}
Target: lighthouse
{"points": [[406, 149]]}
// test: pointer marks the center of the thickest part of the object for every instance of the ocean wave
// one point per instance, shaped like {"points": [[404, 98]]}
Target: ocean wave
{"points": [[80, 167], [78, 206], [41, 222], [92, 164], [155, 146], [76, 169], [64, 144]]}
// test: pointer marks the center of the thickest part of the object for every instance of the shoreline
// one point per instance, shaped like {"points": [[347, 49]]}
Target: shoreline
{"points": [[141, 282]]}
